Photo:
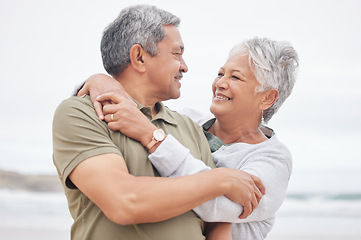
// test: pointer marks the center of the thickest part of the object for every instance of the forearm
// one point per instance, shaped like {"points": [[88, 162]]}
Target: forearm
{"points": [[78, 88], [158, 199], [173, 160]]}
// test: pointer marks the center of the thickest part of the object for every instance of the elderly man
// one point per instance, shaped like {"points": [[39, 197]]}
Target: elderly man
{"points": [[112, 188]]}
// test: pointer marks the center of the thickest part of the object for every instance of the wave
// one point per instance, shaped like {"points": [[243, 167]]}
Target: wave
{"points": [[325, 196]]}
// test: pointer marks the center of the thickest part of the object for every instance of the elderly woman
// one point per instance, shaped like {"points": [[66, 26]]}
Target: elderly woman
{"points": [[250, 88]]}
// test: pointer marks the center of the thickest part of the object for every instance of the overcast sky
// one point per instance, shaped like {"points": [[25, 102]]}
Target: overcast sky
{"points": [[48, 47]]}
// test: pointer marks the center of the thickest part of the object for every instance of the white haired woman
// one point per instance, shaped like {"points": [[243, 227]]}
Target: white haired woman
{"points": [[256, 79]]}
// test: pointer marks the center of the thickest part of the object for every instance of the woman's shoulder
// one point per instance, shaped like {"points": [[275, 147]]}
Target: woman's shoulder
{"points": [[278, 151], [276, 144]]}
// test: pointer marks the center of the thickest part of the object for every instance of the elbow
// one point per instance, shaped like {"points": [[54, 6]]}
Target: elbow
{"points": [[121, 218], [124, 211], [205, 213], [267, 208]]}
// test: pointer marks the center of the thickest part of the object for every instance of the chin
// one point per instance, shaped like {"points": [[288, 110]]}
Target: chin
{"points": [[176, 95], [213, 109], [217, 110]]}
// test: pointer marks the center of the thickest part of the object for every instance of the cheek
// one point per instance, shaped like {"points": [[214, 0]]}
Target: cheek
{"points": [[214, 85]]}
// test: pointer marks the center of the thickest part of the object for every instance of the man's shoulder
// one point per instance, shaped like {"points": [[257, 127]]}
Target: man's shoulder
{"points": [[197, 116], [74, 109], [181, 118], [75, 103]]}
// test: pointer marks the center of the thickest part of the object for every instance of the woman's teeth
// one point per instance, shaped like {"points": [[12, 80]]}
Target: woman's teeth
{"points": [[223, 98]]}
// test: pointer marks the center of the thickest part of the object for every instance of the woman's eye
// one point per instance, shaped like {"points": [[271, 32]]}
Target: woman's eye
{"points": [[238, 78]]}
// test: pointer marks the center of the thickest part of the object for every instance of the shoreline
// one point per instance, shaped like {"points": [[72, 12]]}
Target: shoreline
{"points": [[35, 183]]}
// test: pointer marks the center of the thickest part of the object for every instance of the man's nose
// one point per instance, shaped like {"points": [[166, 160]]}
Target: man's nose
{"points": [[183, 66]]}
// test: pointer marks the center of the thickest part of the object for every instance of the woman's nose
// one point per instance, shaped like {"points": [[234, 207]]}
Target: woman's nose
{"points": [[222, 82]]}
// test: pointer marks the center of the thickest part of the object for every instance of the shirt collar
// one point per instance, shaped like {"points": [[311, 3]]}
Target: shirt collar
{"points": [[164, 113]]}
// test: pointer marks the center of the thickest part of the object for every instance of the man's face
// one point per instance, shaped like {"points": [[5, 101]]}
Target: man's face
{"points": [[166, 69]]}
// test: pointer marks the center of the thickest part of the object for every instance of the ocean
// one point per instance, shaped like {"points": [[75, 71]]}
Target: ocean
{"points": [[38, 216]]}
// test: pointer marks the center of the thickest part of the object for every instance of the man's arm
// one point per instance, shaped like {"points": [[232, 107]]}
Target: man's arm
{"points": [[126, 199]]}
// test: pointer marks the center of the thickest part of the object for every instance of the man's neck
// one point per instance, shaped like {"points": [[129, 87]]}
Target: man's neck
{"points": [[139, 92]]}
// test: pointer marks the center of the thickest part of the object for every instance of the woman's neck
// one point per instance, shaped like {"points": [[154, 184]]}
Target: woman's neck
{"points": [[232, 132]]}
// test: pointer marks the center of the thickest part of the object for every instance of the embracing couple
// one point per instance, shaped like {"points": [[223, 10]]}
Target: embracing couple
{"points": [[133, 169]]}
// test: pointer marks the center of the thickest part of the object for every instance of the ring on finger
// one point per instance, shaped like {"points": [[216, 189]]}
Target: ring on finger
{"points": [[112, 117]]}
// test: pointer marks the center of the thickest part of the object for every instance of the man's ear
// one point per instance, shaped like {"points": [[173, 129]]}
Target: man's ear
{"points": [[270, 96], [137, 55]]}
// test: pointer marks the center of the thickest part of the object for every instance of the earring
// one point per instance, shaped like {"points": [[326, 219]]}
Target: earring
{"points": [[262, 119]]}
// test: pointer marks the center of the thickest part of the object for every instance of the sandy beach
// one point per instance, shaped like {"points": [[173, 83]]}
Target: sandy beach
{"points": [[33, 234], [279, 233]]}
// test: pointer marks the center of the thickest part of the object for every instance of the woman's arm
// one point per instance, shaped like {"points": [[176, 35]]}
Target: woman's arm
{"points": [[218, 231], [273, 171], [99, 84], [171, 159]]}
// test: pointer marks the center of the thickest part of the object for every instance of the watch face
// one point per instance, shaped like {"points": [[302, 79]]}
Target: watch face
{"points": [[158, 135]]}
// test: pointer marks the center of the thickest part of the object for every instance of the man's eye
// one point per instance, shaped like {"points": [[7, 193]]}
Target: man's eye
{"points": [[220, 74]]}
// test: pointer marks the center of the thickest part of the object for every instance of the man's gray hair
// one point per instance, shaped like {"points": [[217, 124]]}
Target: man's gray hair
{"points": [[141, 24], [275, 65]]}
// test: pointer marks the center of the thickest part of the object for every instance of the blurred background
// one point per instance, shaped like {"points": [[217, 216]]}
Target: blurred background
{"points": [[47, 48]]}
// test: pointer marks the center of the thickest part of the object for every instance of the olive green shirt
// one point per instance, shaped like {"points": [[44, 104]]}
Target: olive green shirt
{"points": [[79, 134]]}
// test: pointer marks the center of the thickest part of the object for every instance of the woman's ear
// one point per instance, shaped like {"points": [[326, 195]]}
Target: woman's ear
{"points": [[269, 99], [137, 55]]}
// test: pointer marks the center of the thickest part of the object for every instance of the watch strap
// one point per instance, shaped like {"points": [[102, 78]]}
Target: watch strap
{"points": [[154, 140]]}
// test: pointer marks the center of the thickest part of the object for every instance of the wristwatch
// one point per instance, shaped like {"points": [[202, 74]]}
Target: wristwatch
{"points": [[158, 136]]}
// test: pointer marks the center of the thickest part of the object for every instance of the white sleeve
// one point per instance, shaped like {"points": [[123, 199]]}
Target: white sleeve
{"points": [[172, 159], [274, 169]]}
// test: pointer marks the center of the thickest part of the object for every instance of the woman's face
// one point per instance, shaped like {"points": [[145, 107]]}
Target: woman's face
{"points": [[234, 90]]}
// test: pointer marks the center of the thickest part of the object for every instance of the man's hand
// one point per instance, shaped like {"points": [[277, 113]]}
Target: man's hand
{"points": [[246, 189], [99, 84]]}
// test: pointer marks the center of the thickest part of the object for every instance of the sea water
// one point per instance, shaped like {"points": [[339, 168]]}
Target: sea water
{"points": [[300, 217]]}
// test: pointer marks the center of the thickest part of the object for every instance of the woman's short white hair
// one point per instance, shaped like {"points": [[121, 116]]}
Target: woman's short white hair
{"points": [[275, 65]]}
